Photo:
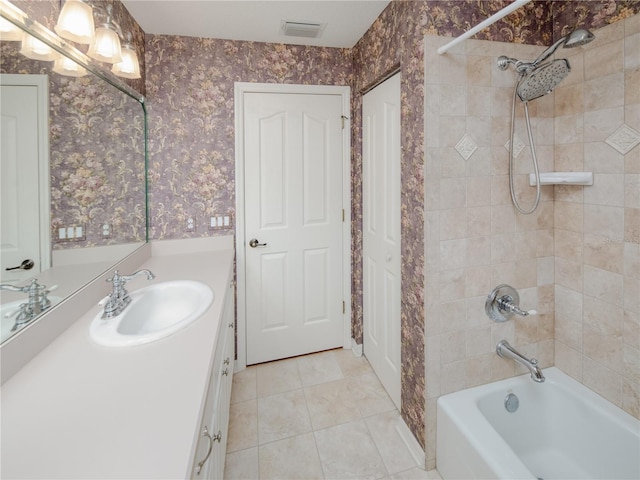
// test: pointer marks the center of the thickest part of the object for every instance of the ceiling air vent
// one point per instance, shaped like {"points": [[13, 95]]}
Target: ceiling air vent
{"points": [[302, 29]]}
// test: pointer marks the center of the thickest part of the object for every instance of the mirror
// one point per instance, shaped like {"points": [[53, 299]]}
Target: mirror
{"points": [[80, 207]]}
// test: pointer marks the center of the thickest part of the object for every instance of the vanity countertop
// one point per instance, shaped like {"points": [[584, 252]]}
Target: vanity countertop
{"points": [[79, 410]]}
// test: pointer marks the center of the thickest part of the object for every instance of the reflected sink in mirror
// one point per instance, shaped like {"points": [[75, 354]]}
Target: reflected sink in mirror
{"points": [[8, 313], [155, 312]]}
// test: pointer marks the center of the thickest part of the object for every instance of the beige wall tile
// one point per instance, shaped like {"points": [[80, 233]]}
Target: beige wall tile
{"points": [[602, 60], [569, 99], [605, 221], [604, 92], [632, 51], [631, 82], [599, 124], [602, 380], [601, 158], [631, 397], [603, 285], [568, 360], [604, 253], [632, 225]]}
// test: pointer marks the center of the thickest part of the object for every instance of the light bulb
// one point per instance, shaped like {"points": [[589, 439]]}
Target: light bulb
{"points": [[9, 32], [129, 67], [66, 66], [106, 46], [37, 50], [76, 22]]}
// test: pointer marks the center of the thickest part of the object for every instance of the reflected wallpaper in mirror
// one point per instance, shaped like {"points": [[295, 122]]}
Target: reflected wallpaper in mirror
{"points": [[96, 139]]}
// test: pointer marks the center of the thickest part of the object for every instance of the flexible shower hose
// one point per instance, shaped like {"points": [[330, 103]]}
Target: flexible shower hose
{"points": [[533, 155]]}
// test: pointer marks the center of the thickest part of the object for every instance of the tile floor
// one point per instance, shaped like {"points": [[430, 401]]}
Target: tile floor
{"points": [[320, 416]]}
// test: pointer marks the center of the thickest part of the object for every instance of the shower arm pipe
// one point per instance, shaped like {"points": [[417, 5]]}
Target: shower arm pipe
{"points": [[484, 24]]}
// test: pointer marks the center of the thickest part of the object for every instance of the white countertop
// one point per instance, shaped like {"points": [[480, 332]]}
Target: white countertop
{"points": [[79, 410]]}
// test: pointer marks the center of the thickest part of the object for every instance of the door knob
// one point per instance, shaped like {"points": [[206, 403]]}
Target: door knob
{"points": [[25, 265], [253, 243]]}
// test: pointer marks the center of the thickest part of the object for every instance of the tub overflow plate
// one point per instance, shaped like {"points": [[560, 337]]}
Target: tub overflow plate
{"points": [[511, 403]]}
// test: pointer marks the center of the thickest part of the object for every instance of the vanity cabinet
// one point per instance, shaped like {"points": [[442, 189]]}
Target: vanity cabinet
{"points": [[212, 440]]}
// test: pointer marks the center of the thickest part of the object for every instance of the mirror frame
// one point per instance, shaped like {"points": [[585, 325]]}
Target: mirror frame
{"points": [[14, 15]]}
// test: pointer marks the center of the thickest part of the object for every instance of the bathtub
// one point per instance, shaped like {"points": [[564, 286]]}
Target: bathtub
{"points": [[561, 430]]}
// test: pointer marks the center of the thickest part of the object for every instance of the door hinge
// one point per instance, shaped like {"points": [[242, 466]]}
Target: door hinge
{"points": [[344, 308], [343, 215], [343, 118]]}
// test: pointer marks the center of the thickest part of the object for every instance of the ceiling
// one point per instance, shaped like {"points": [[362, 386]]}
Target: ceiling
{"points": [[260, 21]]}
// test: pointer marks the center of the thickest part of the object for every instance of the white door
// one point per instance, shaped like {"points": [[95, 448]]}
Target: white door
{"points": [[21, 133], [293, 211], [381, 232]]}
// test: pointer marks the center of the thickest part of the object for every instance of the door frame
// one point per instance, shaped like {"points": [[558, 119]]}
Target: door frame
{"points": [[41, 82], [240, 88]]}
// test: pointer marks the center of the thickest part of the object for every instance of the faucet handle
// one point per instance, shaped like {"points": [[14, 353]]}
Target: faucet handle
{"points": [[503, 302]]}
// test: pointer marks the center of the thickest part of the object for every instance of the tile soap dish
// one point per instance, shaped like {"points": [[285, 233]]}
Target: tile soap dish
{"points": [[562, 178]]}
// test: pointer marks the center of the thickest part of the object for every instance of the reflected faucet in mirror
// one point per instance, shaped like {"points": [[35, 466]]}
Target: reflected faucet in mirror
{"points": [[37, 302]]}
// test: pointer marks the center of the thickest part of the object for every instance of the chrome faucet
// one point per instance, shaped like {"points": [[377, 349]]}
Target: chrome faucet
{"points": [[36, 303], [119, 298], [504, 350]]}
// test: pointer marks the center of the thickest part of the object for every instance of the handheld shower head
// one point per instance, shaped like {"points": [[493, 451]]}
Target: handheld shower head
{"points": [[542, 79], [574, 39]]}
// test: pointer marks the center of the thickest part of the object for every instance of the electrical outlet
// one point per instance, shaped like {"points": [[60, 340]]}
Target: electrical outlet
{"points": [[191, 224], [71, 233], [105, 230]]}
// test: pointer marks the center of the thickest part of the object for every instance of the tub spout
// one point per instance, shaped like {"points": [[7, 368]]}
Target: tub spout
{"points": [[504, 350]]}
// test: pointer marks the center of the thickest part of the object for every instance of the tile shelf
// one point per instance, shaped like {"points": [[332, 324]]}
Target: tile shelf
{"points": [[562, 178]]}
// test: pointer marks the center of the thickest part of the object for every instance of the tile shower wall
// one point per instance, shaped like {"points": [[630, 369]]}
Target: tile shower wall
{"points": [[474, 239], [597, 228]]}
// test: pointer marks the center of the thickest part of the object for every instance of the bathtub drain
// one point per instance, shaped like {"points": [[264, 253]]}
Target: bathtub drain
{"points": [[511, 403]]}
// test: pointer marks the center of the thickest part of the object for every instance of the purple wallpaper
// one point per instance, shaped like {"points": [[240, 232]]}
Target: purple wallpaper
{"points": [[191, 118]]}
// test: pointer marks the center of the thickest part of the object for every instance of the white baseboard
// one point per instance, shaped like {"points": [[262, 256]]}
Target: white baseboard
{"points": [[410, 441], [356, 348]]}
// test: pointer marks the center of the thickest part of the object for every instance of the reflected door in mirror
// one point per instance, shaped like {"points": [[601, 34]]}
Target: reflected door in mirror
{"points": [[21, 98]]}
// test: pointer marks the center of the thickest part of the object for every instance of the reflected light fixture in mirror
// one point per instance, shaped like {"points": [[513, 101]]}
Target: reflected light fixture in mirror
{"points": [[75, 22], [129, 67], [66, 66], [106, 45], [9, 32], [37, 50]]}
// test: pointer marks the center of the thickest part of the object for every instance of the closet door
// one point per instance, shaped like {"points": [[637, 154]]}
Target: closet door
{"points": [[381, 232]]}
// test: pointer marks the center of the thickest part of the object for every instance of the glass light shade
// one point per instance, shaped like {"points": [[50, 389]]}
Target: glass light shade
{"points": [[37, 50], [9, 32], [76, 22], [106, 46], [67, 67], [129, 67]]}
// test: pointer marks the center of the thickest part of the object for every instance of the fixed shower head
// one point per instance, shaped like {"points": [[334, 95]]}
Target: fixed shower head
{"points": [[542, 79], [574, 39]]}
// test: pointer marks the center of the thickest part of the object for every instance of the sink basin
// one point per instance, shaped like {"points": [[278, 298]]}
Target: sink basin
{"points": [[11, 308], [155, 312]]}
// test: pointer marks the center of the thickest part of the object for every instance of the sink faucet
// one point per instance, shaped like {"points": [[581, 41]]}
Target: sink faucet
{"points": [[35, 304], [504, 350], [119, 298]]}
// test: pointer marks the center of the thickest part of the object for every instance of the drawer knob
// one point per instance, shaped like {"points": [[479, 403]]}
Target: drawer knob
{"points": [[225, 371], [226, 362]]}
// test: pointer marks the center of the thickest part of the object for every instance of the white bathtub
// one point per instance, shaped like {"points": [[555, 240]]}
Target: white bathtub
{"points": [[561, 430]]}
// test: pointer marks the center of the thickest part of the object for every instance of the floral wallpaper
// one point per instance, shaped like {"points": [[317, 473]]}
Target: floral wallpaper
{"points": [[96, 142], [190, 88]]}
